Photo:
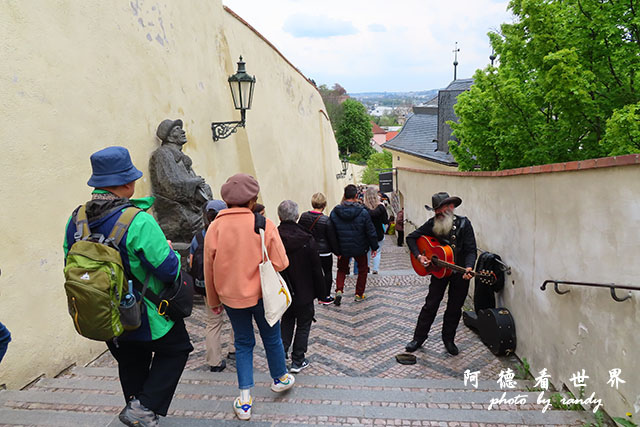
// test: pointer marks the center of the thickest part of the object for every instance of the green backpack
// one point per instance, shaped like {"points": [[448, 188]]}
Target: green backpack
{"points": [[95, 280]]}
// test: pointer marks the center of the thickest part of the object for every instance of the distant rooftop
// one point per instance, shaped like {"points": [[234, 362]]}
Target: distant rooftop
{"points": [[460, 84], [418, 137], [377, 129]]}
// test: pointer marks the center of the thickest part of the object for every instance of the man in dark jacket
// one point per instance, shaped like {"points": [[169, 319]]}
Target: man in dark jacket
{"points": [[304, 276], [457, 232], [356, 234], [324, 234]]}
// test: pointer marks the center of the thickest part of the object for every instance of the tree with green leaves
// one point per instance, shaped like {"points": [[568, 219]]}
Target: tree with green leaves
{"points": [[333, 99], [354, 133], [376, 161], [566, 87]]}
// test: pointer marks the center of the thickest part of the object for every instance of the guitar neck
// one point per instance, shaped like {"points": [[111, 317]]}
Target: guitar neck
{"points": [[454, 267], [448, 265]]}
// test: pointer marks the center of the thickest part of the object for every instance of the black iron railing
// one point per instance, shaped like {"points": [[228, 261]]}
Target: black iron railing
{"points": [[612, 287]]}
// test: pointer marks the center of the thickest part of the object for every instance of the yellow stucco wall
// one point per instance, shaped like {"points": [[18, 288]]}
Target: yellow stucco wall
{"points": [[404, 160], [574, 226], [79, 76]]}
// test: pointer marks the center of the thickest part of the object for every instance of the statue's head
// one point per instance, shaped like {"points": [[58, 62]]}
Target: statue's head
{"points": [[171, 131]]}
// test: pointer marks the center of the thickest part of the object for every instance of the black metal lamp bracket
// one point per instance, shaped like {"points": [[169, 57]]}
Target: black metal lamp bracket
{"points": [[222, 130]]}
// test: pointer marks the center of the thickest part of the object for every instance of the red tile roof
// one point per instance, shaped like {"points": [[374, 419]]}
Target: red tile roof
{"points": [[377, 129], [391, 134]]}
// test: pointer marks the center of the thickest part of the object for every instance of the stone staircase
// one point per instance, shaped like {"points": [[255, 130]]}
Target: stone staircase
{"points": [[92, 397]]}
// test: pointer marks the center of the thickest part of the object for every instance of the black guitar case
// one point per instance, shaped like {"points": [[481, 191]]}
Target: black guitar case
{"points": [[495, 326]]}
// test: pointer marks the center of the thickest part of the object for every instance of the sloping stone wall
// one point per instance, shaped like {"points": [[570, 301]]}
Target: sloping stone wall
{"points": [[79, 76]]}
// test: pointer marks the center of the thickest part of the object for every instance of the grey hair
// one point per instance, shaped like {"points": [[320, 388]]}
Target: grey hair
{"points": [[288, 211]]}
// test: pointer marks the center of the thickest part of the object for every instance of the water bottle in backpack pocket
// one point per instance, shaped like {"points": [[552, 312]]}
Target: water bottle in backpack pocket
{"points": [[130, 314]]}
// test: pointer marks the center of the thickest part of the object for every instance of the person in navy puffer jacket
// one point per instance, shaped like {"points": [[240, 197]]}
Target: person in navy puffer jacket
{"points": [[356, 234]]}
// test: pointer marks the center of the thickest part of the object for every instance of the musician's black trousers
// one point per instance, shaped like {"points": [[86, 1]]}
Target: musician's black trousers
{"points": [[458, 289]]}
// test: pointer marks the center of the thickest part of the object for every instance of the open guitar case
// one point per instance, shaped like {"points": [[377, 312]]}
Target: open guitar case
{"points": [[495, 326]]}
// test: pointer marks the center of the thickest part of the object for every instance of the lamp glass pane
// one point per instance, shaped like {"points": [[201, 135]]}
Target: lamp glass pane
{"points": [[235, 88], [246, 87], [253, 83]]}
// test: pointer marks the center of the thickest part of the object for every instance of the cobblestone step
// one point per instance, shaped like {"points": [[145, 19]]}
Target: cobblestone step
{"points": [[226, 378], [92, 397]]}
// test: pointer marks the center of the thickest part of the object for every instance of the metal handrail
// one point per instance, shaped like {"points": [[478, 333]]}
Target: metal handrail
{"points": [[612, 287]]}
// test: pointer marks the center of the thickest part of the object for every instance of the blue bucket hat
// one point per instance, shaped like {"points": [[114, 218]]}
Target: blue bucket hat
{"points": [[112, 167], [215, 205]]}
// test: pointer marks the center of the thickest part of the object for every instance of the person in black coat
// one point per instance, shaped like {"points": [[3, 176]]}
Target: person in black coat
{"points": [[356, 234], [305, 280], [324, 234], [457, 232]]}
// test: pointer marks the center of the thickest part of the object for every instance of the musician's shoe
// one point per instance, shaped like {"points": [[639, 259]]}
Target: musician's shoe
{"points": [[413, 346], [451, 347], [359, 298]]}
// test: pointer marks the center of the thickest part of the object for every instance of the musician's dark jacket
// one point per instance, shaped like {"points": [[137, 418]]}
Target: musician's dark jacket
{"points": [[461, 239]]}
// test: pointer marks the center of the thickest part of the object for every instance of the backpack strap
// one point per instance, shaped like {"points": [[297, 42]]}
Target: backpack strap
{"points": [[82, 224], [200, 239], [122, 225], [314, 222], [259, 222]]}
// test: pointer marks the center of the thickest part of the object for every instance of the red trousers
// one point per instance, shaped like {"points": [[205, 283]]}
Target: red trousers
{"points": [[343, 269]]}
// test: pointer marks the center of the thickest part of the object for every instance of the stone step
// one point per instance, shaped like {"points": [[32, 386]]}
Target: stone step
{"points": [[265, 413], [83, 392], [398, 384], [92, 397]]}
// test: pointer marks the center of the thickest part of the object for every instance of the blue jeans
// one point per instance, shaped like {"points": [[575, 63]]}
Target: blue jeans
{"points": [[376, 260], [5, 337], [242, 324]]}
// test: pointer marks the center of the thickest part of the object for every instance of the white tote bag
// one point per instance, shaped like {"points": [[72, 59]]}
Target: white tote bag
{"points": [[275, 294]]}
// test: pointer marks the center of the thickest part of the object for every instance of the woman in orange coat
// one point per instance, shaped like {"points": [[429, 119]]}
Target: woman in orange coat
{"points": [[232, 253]]}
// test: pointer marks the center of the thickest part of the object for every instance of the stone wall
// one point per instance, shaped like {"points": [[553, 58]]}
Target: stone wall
{"points": [[577, 221], [79, 76]]}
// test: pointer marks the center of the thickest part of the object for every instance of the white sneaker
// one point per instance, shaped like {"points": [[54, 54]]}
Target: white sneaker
{"points": [[282, 385], [242, 410]]}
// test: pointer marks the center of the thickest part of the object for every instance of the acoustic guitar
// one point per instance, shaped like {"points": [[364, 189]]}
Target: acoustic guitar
{"points": [[442, 262]]}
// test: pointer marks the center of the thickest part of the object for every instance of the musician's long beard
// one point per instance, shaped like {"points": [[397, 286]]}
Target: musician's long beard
{"points": [[442, 224]]}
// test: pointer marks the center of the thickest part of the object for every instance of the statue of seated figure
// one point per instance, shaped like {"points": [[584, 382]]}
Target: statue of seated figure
{"points": [[179, 192]]}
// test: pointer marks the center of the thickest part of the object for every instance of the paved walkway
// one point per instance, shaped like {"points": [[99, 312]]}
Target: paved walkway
{"points": [[353, 378]]}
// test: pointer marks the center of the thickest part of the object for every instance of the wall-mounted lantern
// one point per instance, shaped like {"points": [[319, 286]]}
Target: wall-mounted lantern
{"points": [[241, 85], [345, 166]]}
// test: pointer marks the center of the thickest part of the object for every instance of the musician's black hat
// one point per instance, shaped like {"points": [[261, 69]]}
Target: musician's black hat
{"points": [[442, 198]]}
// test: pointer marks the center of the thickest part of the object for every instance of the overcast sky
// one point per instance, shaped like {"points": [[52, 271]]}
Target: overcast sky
{"points": [[377, 45]]}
